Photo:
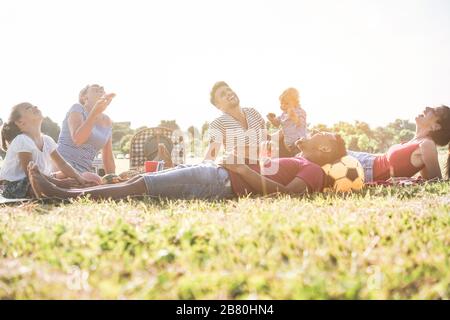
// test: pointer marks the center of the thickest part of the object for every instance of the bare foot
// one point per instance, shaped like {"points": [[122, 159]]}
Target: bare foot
{"points": [[44, 188], [33, 170], [164, 154]]}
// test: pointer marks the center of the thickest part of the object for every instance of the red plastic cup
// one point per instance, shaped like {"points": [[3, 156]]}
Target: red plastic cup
{"points": [[152, 166]]}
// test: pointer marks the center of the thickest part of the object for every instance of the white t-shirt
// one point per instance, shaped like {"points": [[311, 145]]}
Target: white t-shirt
{"points": [[12, 170]]}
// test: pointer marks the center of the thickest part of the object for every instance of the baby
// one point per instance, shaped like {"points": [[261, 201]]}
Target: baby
{"points": [[292, 120]]}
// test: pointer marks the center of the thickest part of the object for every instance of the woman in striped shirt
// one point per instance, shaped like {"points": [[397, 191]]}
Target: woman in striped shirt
{"points": [[236, 127]]}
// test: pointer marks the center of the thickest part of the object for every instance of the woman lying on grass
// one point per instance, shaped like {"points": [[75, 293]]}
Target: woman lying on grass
{"points": [[296, 176], [24, 142], [418, 154]]}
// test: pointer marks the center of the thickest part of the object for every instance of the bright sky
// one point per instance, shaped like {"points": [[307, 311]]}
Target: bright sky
{"points": [[351, 60]]}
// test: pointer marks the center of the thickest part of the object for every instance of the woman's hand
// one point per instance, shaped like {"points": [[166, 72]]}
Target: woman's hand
{"points": [[102, 103], [85, 183]]}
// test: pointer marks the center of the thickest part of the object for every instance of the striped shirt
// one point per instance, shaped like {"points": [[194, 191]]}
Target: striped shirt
{"points": [[228, 131], [82, 157]]}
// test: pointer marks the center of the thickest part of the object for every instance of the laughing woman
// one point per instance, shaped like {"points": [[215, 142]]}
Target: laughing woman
{"points": [[420, 154], [24, 142], [86, 131]]}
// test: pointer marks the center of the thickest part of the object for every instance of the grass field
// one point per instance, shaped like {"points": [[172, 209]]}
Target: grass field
{"points": [[383, 243]]}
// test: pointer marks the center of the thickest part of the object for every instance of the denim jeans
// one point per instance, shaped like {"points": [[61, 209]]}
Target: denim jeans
{"points": [[206, 180], [366, 160]]}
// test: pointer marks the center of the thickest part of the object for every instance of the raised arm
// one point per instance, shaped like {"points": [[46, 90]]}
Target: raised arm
{"points": [[431, 161], [81, 129], [108, 157]]}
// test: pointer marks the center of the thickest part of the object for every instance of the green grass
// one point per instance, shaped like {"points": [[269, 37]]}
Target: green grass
{"points": [[384, 243]]}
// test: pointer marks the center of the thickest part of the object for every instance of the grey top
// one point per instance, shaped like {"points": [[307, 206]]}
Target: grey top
{"points": [[291, 131], [81, 157]]}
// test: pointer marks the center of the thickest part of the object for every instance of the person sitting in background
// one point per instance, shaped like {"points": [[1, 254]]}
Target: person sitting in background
{"points": [[420, 154], [24, 142], [292, 121], [208, 180], [86, 131], [237, 127]]}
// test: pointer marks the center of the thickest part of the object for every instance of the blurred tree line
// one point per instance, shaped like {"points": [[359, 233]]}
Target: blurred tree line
{"points": [[359, 136], [122, 133]]}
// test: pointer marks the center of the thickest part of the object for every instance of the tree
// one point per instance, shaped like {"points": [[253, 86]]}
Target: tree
{"points": [[125, 143], [140, 128], [366, 144], [119, 130], [344, 128], [319, 128], [50, 128], [169, 124], [399, 125], [405, 135], [194, 137], [205, 127], [193, 132], [359, 136], [384, 138], [363, 128]]}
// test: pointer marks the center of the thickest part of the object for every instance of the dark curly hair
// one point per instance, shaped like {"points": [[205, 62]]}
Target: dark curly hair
{"points": [[10, 130], [216, 87], [339, 149]]}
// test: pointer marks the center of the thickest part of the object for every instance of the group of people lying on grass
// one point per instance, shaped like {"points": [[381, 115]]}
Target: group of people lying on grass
{"points": [[35, 166]]}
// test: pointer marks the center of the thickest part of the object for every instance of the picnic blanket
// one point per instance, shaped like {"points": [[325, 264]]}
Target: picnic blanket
{"points": [[4, 200]]}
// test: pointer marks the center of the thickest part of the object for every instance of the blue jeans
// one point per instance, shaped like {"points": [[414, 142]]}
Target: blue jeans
{"points": [[206, 180], [366, 160]]}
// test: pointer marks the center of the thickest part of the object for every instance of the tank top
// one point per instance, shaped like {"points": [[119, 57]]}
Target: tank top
{"points": [[396, 162], [81, 157]]}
